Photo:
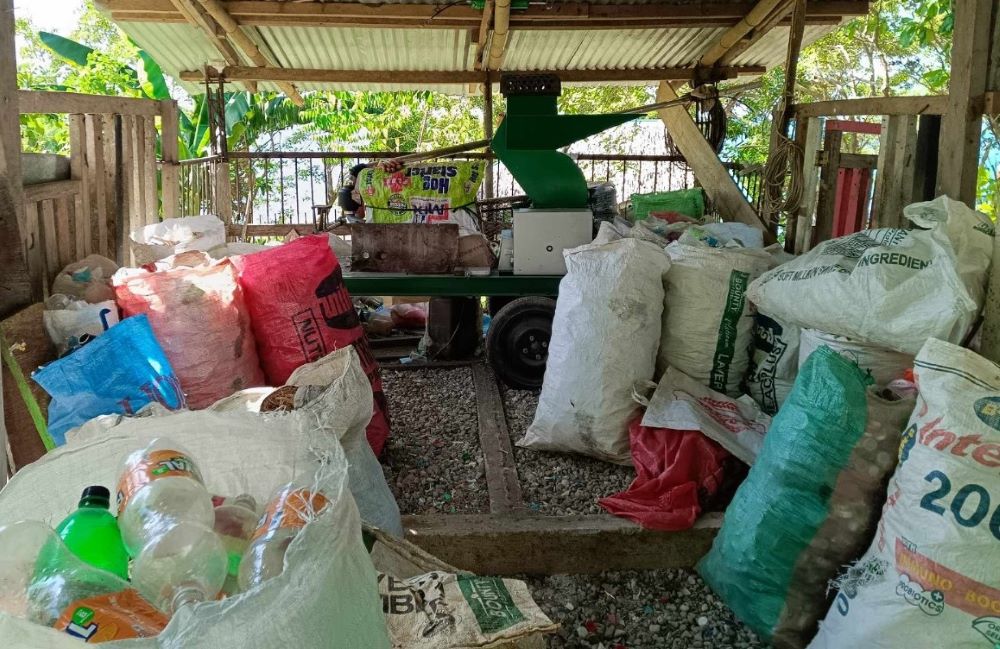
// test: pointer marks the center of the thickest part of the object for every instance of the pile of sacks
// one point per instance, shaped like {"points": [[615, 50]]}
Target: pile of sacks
{"points": [[196, 326], [807, 370]]}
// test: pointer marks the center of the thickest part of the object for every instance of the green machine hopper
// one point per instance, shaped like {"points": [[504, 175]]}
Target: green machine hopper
{"points": [[531, 133]]}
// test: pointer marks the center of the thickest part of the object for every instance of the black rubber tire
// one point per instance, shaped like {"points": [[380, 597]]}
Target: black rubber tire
{"points": [[518, 340], [498, 302]]}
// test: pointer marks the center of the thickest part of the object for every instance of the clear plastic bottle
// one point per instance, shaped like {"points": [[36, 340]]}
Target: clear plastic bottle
{"points": [[184, 565], [160, 485], [91, 533], [284, 517], [41, 580], [235, 522], [166, 518]]}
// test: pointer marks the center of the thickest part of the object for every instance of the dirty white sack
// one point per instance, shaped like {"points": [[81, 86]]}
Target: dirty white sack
{"points": [[329, 586], [774, 362], [889, 287], [929, 578], [681, 403], [604, 337], [323, 387], [707, 320], [884, 365], [429, 604], [171, 236]]}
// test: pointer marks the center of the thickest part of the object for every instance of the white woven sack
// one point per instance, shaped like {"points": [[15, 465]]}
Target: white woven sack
{"points": [[885, 365], [929, 578], [889, 287], [171, 236], [707, 320], [333, 385], [604, 337], [681, 403], [328, 589], [774, 362]]}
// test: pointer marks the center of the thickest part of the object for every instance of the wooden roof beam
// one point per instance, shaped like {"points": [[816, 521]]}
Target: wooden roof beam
{"points": [[562, 15], [424, 77], [197, 17], [247, 46], [780, 16], [485, 32], [731, 37]]}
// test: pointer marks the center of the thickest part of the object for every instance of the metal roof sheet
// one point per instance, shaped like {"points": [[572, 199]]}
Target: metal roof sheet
{"points": [[362, 48]]}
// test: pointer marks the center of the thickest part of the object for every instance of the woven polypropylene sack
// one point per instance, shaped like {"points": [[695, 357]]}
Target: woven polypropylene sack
{"points": [[801, 513], [171, 236], [707, 320], [120, 371], [930, 578], [883, 364], [197, 312], [689, 202], [604, 337], [889, 287], [328, 588], [301, 311], [774, 362]]}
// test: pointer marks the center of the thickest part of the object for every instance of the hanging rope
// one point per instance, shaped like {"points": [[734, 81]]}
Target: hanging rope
{"points": [[781, 179]]}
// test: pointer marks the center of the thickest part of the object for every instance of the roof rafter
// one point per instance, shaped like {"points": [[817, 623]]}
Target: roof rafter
{"points": [[424, 77], [562, 15], [247, 46], [758, 16], [197, 17]]}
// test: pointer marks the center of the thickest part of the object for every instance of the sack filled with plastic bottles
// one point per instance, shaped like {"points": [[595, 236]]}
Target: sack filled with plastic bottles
{"points": [[279, 562]]}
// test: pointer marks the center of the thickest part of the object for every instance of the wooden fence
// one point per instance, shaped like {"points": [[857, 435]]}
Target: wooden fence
{"points": [[115, 180]]}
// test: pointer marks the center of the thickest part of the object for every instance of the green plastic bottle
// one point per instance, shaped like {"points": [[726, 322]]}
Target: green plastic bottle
{"points": [[91, 533]]}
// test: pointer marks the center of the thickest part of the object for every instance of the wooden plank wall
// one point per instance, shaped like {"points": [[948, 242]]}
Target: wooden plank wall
{"points": [[114, 185]]}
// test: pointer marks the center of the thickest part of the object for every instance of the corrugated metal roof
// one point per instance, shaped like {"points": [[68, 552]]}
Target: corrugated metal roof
{"points": [[770, 50], [346, 48], [612, 49]]}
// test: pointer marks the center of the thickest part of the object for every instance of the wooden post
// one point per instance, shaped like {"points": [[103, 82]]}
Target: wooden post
{"points": [[829, 171], [895, 187], [488, 134], [223, 192], [958, 163], [16, 286], [810, 183], [169, 152]]}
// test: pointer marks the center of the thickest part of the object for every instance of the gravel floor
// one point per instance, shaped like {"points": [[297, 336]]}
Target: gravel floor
{"points": [[659, 609], [558, 484], [433, 462]]}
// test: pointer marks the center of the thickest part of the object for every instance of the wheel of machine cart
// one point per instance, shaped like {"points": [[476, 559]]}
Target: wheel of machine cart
{"points": [[517, 343]]}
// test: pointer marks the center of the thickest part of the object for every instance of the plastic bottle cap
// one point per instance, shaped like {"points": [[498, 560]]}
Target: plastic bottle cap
{"points": [[96, 495]]}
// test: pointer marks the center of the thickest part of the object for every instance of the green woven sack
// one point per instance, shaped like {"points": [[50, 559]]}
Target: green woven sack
{"points": [[689, 202], [762, 560]]}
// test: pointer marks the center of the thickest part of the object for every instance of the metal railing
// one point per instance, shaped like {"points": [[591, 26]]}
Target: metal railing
{"points": [[281, 188]]}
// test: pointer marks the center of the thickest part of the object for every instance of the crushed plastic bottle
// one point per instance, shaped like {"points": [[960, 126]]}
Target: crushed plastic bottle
{"points": [[91, 533], [160, 485], [235, 522], [284, 517], [167, 518], [41, 580]]}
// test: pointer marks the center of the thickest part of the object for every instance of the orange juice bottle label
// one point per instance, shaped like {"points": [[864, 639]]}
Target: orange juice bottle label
{"points": [[155, 465], [118, 616], [290, 509]]}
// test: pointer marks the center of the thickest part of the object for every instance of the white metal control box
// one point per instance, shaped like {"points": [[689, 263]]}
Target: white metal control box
{"points": [[540, 236]]}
